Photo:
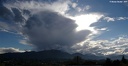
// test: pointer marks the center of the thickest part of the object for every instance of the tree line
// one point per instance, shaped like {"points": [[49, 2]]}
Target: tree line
{"points": [[77, 60]]}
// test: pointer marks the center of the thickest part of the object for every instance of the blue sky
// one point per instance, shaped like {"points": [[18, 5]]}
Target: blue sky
{"points": [[87, 26]]}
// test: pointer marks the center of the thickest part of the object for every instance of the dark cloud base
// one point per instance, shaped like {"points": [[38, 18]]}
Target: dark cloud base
{"points": [[47, 30]]}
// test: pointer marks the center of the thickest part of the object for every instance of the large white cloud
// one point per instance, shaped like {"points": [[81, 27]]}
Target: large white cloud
{"points": [[9, 50], [104, 47]]}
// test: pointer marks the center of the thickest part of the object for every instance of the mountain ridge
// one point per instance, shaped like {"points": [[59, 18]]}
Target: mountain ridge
{"points": [[53, 55]]}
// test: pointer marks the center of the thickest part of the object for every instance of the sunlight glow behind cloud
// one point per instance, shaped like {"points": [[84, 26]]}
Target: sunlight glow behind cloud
{"points": [[84, 21]]}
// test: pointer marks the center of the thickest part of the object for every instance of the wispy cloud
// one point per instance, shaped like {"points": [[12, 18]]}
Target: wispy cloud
{"points": [[111, 19], [35, 6]]}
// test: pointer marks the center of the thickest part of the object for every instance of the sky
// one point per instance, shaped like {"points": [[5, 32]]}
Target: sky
{"points": [[86, 26]]}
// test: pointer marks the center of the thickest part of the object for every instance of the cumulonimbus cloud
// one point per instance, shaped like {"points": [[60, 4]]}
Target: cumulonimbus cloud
{"points": [[44, 29]]}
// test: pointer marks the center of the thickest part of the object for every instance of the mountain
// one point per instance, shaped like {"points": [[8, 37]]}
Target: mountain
{"points": [[53, 55], [40, 55]]}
